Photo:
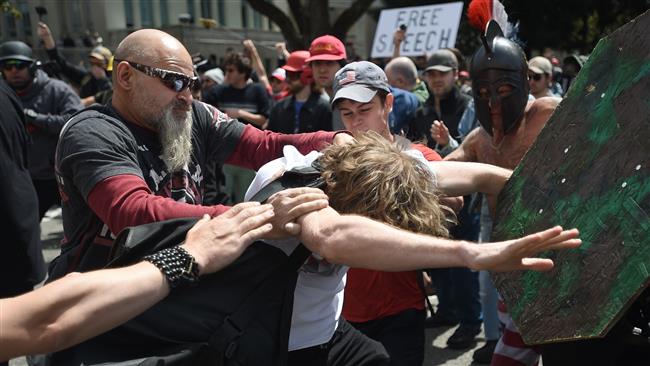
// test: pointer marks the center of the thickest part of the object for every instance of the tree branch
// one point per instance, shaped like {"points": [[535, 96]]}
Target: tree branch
{"points": [[320, 21], [345, 21], [278, 17], [298, 14]]}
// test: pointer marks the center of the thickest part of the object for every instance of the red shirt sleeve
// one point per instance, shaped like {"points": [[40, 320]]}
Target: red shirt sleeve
{"points": [[125, 200], [257, 147], [429, 154]]}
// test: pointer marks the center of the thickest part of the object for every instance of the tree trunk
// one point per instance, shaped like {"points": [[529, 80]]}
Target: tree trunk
{"points": [[277, 16], [306, 22]]}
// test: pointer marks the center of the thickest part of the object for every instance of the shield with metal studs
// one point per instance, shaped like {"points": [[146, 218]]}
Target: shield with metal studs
{"points": [[589, 168]]}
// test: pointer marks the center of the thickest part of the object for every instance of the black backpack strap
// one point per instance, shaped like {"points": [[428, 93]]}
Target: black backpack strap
{"points": [[420, 280], [224, 339]]}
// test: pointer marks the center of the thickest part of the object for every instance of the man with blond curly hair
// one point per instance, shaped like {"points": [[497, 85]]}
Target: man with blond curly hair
{"points": [[380, 195]]}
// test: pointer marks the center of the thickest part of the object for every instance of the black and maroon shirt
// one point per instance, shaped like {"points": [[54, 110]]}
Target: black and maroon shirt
{"points": [[111, 175]]}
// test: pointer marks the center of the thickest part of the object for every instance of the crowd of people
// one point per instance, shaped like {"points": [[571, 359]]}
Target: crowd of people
{"points": [[404, 166]]}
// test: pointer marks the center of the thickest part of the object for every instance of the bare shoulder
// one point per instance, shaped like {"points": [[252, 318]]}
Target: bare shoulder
{"points": [[467, 151], [545, 104]]}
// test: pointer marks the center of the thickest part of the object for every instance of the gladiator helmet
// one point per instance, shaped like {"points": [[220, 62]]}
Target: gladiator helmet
{"points": [[498, 62]]}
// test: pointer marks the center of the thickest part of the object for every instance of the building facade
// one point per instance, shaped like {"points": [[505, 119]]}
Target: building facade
{"points": [[209, 27]]}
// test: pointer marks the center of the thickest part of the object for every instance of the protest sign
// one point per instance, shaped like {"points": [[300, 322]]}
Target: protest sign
{"points": [[428, 28]]}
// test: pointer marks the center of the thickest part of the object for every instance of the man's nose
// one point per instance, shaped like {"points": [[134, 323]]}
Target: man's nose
{"points": [[186, 96], [492, 102]]}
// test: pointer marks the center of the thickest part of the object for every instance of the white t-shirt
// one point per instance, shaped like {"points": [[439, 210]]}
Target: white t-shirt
{"points": [[318, 298]]}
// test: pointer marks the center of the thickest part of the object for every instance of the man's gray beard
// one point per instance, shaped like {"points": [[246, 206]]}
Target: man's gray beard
{"points": [[176, 139]]}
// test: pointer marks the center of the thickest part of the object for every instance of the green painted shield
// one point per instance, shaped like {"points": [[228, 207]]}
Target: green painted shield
{"points": [[589, 169]]}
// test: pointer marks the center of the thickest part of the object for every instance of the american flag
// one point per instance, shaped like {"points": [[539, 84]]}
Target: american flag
{"points": [[350, 76]]}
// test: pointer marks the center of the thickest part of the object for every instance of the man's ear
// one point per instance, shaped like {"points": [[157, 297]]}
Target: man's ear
{"points": [[388, 104], [124, 75], [455, 74]]}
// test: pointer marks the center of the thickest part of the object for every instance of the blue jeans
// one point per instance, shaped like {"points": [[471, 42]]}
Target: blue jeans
{"points": [[488, 292], [458, 288]]}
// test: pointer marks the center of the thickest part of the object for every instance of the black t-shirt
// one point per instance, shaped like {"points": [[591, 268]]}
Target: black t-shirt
{"points": [[97, 144], [252, 98], [21, 261], [451, 109]]}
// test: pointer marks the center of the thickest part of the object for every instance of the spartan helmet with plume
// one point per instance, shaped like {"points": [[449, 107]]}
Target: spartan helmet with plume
{"points": [[497, 62]]}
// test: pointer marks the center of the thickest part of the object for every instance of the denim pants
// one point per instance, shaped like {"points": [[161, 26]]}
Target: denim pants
{"points": [[458, 288]]}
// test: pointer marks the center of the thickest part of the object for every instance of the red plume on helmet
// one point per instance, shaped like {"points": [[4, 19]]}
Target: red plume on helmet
{"points": [[479, 13]]}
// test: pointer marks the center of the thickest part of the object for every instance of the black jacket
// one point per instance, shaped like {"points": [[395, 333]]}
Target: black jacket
{"points": [[54, 102], [315, 115], [451, 109], [21, 260], [79, 75]]}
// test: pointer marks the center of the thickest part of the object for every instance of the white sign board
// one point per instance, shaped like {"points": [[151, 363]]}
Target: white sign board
{"points": [[428, 28]]}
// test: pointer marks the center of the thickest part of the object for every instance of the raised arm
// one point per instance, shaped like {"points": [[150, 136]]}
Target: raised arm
{"points": [[257, 64], [71, 71], [398, 38]]}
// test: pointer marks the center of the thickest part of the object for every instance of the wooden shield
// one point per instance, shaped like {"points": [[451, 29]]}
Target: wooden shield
{"points": [[589, 169]]}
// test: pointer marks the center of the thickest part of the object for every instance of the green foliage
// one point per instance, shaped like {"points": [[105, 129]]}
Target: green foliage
{"points": [[7, 7]]}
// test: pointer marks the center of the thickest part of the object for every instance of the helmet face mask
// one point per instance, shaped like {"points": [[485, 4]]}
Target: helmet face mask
{"points": [[500, 80]]}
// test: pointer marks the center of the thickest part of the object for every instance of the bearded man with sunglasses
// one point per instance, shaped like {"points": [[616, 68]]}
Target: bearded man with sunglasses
{"points": [[142, 157], [47, 103]]}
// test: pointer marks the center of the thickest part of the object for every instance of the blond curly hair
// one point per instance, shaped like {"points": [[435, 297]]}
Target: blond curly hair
{"points": [[375, 178]]}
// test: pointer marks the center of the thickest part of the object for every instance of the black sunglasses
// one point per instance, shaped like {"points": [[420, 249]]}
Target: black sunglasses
{"points": [[173, 80], [14, 64], [536, 77]]}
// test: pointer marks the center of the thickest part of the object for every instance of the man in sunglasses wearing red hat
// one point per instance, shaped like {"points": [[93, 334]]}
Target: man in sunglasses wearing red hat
{"points": [[142, 157], [307, 109]]}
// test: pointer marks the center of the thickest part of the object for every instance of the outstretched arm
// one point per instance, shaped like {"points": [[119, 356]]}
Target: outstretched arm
{"points": [[80, 306], [361, 242], [461, 178]]}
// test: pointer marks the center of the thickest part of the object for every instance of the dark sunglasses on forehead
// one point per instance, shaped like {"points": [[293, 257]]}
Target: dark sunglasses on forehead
{"points": [[536, 77], [173, 80], [14, 64]]}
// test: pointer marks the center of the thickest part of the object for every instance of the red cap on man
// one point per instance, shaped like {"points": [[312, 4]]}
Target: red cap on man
{"points": [[296, 61], [326, 48]]}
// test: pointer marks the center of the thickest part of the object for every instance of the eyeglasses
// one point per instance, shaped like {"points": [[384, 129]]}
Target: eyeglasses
{"points": [[536, 77], [173, 80], [14, 64]]}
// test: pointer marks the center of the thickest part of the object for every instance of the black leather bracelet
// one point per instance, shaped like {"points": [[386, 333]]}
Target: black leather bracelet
{"points": [[177, 265]]}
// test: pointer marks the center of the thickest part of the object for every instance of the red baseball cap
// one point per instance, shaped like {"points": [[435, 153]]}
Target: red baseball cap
{"points": [[296, 61], [279, 74], [326, 48]]}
